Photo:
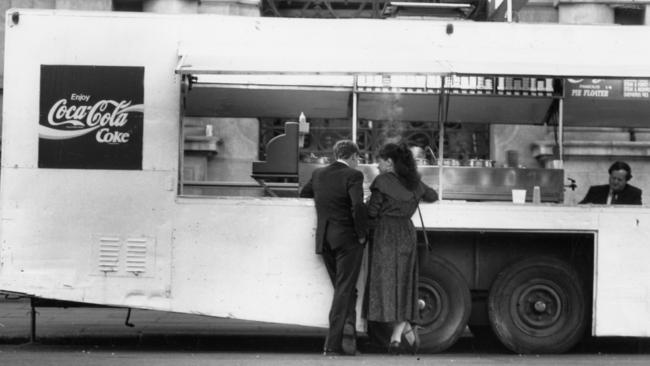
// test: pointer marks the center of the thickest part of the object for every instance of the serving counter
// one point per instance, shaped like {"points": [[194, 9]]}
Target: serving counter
{"points": [[474, 183]]}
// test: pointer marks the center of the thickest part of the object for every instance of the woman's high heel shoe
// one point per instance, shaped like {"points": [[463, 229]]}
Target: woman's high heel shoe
{"points": [[394, 348], [414, 346]]}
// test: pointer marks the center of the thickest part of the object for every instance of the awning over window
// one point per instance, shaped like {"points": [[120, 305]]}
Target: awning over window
{"points": [[356, 46], [279, 68], [218, 100], [286, 97]]}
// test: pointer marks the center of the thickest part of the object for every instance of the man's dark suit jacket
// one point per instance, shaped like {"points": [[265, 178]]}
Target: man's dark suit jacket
{"points": [[337, 190], [630, 195]]}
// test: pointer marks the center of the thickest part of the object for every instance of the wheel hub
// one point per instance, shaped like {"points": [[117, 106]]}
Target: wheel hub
{"points": [[431, 308], [538, 308], [431, 303]]}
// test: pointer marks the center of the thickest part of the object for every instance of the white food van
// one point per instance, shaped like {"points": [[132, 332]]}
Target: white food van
{"points": [[94, 194]]}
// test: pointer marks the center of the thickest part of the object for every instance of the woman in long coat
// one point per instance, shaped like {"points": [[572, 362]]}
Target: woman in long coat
{"points": [[393, 276]]}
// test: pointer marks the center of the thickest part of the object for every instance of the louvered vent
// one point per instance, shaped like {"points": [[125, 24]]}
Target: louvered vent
{"points": [[109, 254], [136, 255], [118, 256]]}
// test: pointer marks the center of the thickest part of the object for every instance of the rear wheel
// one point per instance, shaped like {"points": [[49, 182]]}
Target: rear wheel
{"points": [[446, 305], [537, 305]]}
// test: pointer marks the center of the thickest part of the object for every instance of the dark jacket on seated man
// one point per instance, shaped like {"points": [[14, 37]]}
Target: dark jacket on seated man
{"points": [[630, 195], [618, 191]]}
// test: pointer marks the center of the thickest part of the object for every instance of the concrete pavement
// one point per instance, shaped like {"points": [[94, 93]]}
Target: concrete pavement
{"points": [[56, 322], [101, 326]]}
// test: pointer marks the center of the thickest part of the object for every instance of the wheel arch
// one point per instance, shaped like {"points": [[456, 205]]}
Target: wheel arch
{"points": [[481, 255]]}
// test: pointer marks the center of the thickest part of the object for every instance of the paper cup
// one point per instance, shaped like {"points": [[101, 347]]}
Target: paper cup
{"points": [[518, 196]]}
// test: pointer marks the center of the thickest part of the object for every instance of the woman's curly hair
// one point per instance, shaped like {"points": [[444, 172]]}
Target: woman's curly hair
{"points": [[403, 164]]}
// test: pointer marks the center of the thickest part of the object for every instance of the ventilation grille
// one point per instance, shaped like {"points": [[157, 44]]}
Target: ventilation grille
{"points": [[109, 254], [136, 256], [119, 256]]}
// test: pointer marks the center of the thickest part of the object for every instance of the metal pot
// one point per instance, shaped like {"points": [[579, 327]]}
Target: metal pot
{"points": [[484, 163], [450, 162], [488, 163], [422, 162]]}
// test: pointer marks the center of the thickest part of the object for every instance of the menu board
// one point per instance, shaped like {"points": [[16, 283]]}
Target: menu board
{"points": [[613, 89]]}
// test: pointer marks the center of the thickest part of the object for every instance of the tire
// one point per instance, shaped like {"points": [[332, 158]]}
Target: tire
{"points": [[537, 305], [447, 305]]}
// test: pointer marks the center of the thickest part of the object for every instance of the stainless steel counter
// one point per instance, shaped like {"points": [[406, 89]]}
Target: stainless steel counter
{"points": [[475, 183]]}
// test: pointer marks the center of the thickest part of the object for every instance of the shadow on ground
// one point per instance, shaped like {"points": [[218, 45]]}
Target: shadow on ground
{"points": [[289, 344]]}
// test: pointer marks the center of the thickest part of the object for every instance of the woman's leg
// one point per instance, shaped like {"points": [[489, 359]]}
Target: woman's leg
{"points": [[408, 334], [398, 329]]}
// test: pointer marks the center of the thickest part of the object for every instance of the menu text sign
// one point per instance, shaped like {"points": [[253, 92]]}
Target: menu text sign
{"points": [[622, 89]]}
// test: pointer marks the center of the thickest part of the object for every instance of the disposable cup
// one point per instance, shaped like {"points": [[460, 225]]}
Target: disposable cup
{"points": [[518, 196]]}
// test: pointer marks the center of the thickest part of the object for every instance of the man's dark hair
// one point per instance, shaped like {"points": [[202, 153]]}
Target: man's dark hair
{"points": [[344, 149], [620, 165]]}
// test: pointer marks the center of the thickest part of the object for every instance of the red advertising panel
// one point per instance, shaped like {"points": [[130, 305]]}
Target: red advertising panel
{"points": [[91, 117]]}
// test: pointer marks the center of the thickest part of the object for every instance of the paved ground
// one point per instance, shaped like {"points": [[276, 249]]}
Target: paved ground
{"points": [[78, 335], [56, 322], [72, 357]]}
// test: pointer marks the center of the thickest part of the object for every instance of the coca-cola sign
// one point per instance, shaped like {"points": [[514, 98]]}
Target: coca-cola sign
{"points": [[91, 117]]}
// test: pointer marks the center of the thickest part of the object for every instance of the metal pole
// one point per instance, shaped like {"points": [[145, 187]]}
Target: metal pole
{"points": [[560, 123], [354, 110], [32, 335], [509, 10], [181, 138], [441, 140]]}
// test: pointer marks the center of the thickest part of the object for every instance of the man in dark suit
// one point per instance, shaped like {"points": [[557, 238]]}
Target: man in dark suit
{"points": [[337, 190], [618, 191]]}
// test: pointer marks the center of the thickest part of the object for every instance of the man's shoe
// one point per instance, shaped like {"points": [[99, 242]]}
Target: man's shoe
{"points": [[329, 352], [394, 348], [412, 347], [349, 342]]}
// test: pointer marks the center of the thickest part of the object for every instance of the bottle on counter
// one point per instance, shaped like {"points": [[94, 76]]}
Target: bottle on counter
{"points": [[537, 195]]}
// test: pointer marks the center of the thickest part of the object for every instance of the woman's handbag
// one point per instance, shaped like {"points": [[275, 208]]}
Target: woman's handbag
{"points": [[426, 239]]}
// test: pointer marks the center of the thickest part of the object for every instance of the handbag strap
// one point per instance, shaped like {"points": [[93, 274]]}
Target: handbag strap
{"points": [[426, 239]]}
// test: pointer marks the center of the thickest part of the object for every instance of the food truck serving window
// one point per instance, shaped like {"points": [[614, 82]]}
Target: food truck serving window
{"points": [[243, 134], [240, 131], [221, 128]]}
